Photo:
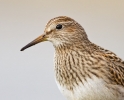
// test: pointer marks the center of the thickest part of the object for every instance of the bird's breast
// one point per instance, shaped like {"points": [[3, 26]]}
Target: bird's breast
{"points": [[92, 89], [76, 82]]}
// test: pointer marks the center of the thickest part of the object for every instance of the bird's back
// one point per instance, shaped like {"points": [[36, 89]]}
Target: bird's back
{"points": [[116, 66]]}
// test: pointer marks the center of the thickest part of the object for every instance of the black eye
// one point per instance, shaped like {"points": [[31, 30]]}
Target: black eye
{"points": [[59, 26]]}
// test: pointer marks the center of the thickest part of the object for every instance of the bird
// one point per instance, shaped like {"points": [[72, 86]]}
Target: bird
{"points": [[83, 70]]}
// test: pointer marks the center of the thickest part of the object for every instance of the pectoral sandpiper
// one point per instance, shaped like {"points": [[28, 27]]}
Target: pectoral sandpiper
{"points": [[83, 70]]}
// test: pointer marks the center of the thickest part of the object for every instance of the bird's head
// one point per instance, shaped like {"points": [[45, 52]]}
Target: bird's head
{"points": [[60, 31]]}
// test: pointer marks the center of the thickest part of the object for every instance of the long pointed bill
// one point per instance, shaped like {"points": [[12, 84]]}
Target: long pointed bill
{"points": [[36, 41]]}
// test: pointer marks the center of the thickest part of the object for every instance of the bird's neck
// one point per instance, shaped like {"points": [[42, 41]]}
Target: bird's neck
{"points": [[65, 48], [70, 63]]}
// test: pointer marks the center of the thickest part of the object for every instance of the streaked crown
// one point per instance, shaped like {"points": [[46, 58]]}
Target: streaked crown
{"points": [[64, 30]]}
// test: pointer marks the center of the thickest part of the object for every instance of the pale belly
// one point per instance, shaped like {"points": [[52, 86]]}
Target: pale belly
{"points": [[92, 89]]}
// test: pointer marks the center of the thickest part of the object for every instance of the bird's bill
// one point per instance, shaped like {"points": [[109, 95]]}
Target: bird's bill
{"points": [[36, 41]]}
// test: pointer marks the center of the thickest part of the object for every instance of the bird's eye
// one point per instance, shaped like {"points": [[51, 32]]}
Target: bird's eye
{"points": [[59, 26]]}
